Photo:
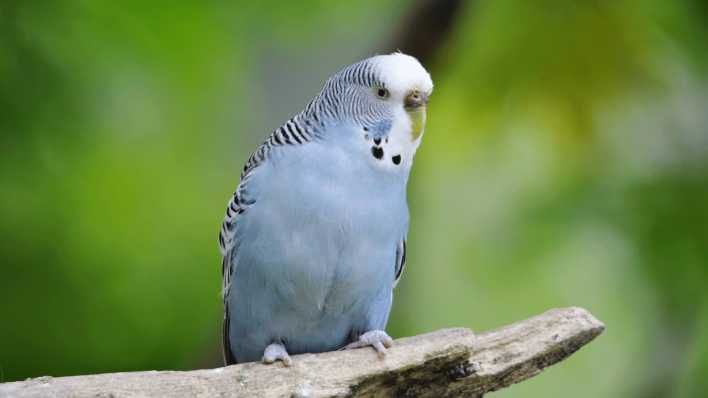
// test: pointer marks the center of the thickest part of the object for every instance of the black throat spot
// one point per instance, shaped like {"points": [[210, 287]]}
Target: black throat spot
{"points": [[377, 152]]}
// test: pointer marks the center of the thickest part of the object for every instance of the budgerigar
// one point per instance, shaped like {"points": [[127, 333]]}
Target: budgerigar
{"points": [[314, 238]]}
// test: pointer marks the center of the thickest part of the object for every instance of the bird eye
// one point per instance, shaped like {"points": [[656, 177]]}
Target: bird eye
{"points": [[382, 93]]}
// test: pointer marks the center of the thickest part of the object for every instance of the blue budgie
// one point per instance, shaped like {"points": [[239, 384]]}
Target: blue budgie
{"points": [[314, 238]]}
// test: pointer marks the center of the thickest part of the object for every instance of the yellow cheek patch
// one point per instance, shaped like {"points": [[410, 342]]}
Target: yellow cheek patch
{"points": [[417, 122]]}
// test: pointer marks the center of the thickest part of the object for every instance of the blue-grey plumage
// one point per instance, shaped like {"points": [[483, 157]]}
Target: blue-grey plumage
{"points": [[314, 238]]}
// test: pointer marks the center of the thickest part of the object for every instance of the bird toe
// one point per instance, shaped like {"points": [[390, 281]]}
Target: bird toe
{"points": [[378, 339], [276, 352]]}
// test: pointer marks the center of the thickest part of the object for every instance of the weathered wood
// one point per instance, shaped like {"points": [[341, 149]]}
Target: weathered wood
{"points": [[445, 363]]}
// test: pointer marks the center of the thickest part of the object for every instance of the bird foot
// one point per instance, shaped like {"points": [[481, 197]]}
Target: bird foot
{"points": [[378, 339], [276, 352]]}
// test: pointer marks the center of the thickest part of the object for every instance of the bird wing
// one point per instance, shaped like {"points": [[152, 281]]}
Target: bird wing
{"points": [[227, 245], [400, 260], [292, 132]]}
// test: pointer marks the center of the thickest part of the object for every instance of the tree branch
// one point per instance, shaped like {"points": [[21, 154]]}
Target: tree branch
{"points": [[448, 362]]}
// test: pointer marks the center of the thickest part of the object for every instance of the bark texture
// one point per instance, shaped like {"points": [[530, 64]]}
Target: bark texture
{"points": [[445, 363]]}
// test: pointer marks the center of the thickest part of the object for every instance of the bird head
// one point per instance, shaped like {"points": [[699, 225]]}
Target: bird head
{"points": [[386, 96]]}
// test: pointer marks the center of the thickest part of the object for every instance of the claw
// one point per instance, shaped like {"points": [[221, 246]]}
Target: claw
{"points": [[378, 339], [276, 352]]}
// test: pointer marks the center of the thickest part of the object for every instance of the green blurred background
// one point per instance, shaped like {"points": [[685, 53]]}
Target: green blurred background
{"points": [[565, 163]]}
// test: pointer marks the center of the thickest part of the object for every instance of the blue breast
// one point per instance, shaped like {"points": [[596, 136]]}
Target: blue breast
{"points": [[315, 253]]}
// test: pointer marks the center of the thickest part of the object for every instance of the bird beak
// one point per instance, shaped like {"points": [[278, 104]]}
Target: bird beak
{"points": [[414, 100], [415, 104]]}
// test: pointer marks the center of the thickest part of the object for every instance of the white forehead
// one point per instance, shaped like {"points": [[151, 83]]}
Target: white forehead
{"points": [[402, 73]]}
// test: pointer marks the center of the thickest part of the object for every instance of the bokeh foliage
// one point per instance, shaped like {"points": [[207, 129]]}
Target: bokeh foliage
{"points": [[565, 163]]}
